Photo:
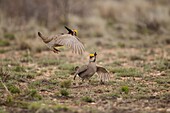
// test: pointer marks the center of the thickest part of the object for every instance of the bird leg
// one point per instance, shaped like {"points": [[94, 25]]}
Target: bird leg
{"points": [[102, 82], [55, 50], [89, 81], [75, 77], [82, 80]]}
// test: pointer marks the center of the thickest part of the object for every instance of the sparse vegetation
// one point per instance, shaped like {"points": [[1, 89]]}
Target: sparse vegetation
{"points": [[65, 84], [87, 99], [162, 65], [125, 89], [34, 95], [126, 72], [13, 89], [64, 92], [4, 43], [47, 62], [9, 36], [131, 38]]}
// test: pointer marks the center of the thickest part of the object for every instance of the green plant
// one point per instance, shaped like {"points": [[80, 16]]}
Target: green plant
{"points": [[61, 108], [66, 66], [4, 43], [13, 89], [34, 95], [65, 84], [125, 89], [2, 110], [87, 99], [64, 92], [19, 68], [121, 45], [34, 105], [47, 62], [9, 99], [163, 64], [9, 36], [126, 72]]}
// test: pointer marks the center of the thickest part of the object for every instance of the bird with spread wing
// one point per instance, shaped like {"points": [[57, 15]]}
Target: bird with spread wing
{"points": [[87, 71], [69, 40]]}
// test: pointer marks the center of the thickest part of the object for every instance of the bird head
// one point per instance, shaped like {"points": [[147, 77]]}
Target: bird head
{"points": [[75, 32], [72, 32], [93, 57]]}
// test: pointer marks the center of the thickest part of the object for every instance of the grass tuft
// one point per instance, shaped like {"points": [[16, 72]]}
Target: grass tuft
{"points": [[4, 43], [64, 92], [13, 89], [87, 99], [65, 84], [34, 95], [162, 65], [9, 36], [125, 89], [47, 62], [19, 69], [61, 108], [66, 66], [34, 106], [126, 72]]}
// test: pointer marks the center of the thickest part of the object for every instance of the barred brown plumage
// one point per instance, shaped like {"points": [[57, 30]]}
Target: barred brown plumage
{"points": [[69, 40], [87, 71]]}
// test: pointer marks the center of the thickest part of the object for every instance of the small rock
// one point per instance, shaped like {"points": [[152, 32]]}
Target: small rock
{"points": [[119, 99], [168, 110]]}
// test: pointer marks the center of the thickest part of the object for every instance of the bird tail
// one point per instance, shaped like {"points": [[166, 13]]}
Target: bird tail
{"points": [[75, 72], [44, 38], [76, 68]]}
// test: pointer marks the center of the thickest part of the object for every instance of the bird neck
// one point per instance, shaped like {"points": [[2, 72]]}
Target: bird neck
{"points": [[92, 61]]}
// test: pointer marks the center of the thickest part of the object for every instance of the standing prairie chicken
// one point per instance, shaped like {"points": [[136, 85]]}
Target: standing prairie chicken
{"points": [[87, 71], [69, 40]]}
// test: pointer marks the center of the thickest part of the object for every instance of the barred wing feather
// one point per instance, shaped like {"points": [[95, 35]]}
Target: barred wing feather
{"points": [[71, 42], [103, 74]]}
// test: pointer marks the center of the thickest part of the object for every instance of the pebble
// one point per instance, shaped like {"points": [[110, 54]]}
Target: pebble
{"points": [[168, 110]]}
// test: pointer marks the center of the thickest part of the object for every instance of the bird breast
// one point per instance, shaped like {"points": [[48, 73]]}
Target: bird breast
{"points": [[92, 67]]}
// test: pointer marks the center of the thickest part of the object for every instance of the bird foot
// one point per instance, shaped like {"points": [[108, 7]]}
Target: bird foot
{"points": [[56, 50], [74, 78], [102, 82]]}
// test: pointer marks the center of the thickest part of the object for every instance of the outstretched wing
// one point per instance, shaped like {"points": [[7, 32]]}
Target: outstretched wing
{"points": [[70, 41], [80, 70], [103, 74]]}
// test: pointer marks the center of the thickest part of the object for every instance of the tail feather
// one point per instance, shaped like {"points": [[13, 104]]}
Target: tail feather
{"points": [[44, 38], [76, 68], [75, 72], [39, 34]]}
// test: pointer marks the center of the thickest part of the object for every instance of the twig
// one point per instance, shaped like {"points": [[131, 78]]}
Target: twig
{"points": [[6, 88]]}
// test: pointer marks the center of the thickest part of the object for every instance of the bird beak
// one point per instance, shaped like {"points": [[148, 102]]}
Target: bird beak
{"points": [[69, 30]]}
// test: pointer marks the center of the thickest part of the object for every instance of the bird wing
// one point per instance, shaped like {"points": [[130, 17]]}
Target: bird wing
{"points": [[70, 41], [103, 73], [80, 70]]}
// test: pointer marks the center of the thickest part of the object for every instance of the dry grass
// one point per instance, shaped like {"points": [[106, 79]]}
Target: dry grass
{"points": [[130, 37]]}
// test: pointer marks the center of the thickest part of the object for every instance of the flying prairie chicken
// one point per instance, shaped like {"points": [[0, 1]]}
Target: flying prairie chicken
{"points": [[87, 71], [69, 40]]}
